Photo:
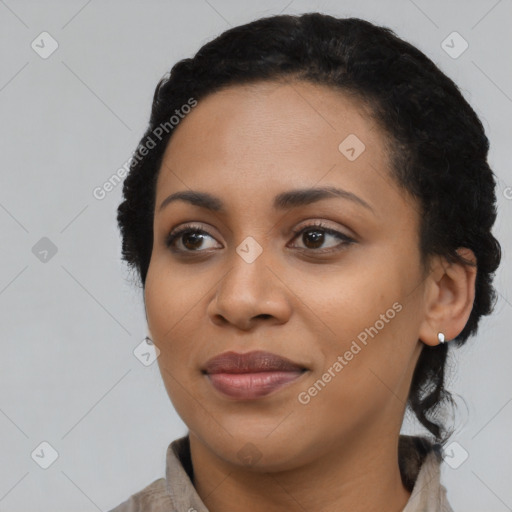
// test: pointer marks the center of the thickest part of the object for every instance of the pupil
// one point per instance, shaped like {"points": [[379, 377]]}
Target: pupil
{"points": [[198, 240], [317, 238]]}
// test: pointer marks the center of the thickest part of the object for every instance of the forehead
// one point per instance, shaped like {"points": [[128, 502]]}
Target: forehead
{"points": [[288, 117], [249, 140]]}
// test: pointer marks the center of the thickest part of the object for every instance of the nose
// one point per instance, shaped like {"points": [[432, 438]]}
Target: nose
{"points": [[250, 293]]}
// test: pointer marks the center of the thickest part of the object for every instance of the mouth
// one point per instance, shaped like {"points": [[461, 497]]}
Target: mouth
{"points": [[251, 375]]}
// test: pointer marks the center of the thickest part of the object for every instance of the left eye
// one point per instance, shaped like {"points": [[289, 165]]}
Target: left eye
{"points": [[315, 235]]}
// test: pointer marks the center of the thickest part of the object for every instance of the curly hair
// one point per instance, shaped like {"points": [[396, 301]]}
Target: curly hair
{"points": [[436, 143]]}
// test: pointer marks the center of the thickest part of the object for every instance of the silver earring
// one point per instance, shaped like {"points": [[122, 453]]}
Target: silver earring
{"points": [[440, 337]]}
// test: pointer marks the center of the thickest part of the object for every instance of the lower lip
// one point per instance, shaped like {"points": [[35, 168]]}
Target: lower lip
{"points": [[247, 386]]}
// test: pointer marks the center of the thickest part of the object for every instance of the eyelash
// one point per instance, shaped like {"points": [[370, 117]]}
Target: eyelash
{"points": [[345, 240]]}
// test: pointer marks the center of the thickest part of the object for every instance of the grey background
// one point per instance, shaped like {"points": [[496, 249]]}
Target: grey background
{"points": [[70, 324]]}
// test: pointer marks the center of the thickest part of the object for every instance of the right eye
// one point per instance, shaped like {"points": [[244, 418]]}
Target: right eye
{"points": [[190, 237]]}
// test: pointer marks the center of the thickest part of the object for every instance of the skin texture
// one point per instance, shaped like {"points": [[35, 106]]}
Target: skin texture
{"points": [[245, 144]]}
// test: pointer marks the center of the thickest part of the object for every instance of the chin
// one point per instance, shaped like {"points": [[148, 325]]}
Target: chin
{"points": [[256, 449]]}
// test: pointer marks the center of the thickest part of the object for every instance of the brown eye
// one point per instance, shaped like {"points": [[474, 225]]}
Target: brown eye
{"points": [[315, 235], [313, 238], [192, 239]]}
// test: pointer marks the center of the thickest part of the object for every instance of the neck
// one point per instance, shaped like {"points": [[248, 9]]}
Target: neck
{"points": [[352, 476]]}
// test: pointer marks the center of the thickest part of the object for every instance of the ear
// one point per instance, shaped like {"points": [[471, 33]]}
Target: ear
{"points": [[449, 297]]}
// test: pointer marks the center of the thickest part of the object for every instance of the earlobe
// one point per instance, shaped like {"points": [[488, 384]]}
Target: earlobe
{"points": [[449, 299]]}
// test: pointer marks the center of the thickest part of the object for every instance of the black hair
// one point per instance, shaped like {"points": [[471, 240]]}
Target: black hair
{"points": [[437, 146]]}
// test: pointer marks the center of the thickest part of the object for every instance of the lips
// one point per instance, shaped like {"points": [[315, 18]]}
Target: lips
{"points": [[250, 362], [251, 375]]}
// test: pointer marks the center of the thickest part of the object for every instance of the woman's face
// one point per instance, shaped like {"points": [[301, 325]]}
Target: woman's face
{"points": [[343, 301]]}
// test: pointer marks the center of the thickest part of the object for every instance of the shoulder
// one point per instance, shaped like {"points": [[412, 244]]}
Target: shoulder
{"points": [[420, 462], [412, 452], [153, 498]]}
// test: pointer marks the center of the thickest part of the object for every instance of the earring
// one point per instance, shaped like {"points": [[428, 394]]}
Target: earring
{"points": [[440, 337]]}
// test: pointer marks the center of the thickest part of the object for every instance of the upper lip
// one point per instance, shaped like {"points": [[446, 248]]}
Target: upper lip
{"points": [[250, 362]]}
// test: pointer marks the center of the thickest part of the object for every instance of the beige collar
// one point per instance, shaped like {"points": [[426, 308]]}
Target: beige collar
{"points": [[419, 463]]}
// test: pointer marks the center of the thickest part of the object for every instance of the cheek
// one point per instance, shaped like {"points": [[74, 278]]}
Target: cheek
{"points": [[352, 299], [164, 309], [170, 302], [365, 323], [364, 371], [358, 380]]}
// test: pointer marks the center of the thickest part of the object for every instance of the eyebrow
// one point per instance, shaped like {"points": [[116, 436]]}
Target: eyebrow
{"points": [[283, 201]]}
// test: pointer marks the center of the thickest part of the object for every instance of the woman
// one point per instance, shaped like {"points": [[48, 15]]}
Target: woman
{"points": [[309, 213]]}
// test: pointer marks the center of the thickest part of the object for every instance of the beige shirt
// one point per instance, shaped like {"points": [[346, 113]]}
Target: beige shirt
{"points": [[419, 463]]}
